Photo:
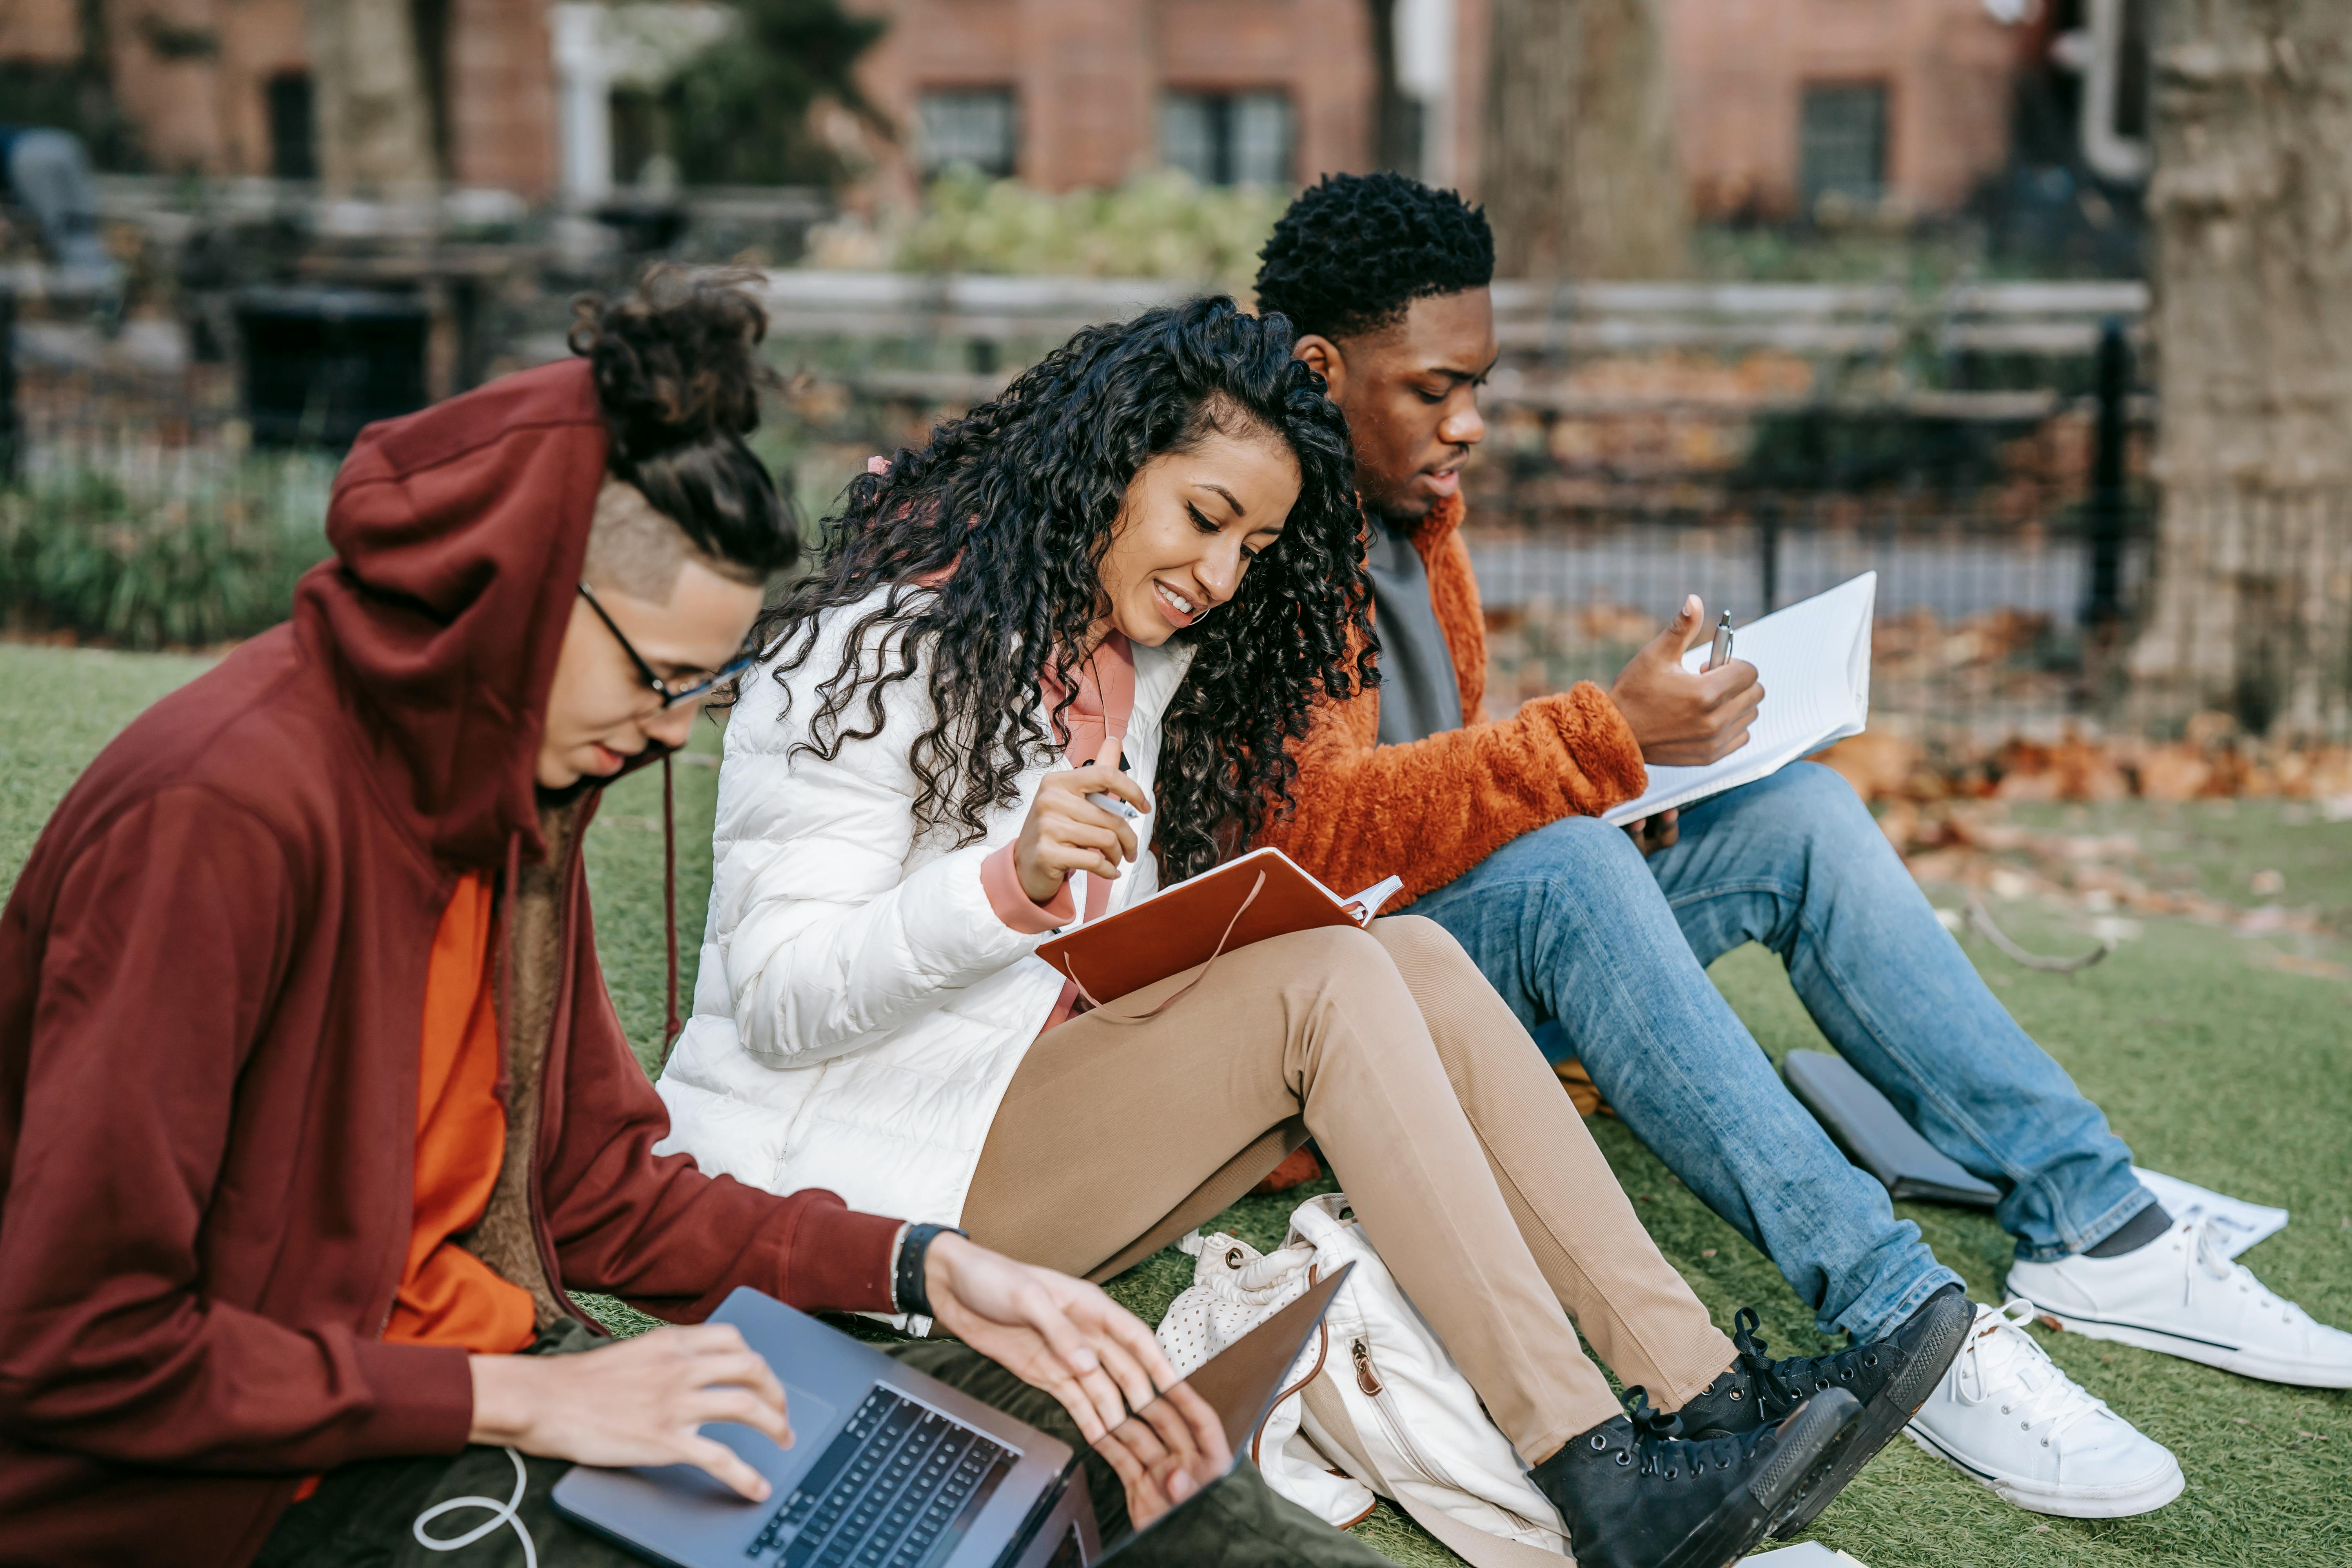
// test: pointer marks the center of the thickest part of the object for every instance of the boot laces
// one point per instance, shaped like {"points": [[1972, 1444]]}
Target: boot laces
{"points": [[1663, 1451], [2000, 1362], [1778, 1380]]}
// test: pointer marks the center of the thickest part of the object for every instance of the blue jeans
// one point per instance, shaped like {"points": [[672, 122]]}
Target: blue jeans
{"points": [[1570, 923]]}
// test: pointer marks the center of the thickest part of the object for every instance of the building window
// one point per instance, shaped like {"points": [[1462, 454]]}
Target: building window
{"points": [[1843, 150], [977, 126], [1227, 138], [293, 132]]}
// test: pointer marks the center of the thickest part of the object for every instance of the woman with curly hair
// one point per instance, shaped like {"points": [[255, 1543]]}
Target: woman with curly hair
{"points": [[1126, 580]]}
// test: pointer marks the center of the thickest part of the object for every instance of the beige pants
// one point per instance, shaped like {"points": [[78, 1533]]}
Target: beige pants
{"points": [[1469, 1168]]}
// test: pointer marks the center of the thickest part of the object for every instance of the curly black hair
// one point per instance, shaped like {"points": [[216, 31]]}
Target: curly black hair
{"points": [[678, 373], [1355, 250], [990, 542]]}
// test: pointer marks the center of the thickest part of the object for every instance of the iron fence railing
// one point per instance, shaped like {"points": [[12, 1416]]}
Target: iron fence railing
{"points": [[1749, 445]]}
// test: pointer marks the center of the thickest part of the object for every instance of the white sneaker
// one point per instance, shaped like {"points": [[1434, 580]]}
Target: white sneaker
{"points": [[2183, 1295], [2005, 1416]]}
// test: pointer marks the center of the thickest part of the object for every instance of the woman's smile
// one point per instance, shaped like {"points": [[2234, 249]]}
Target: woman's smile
{"points": [[1188, 528], [1181, 610]]}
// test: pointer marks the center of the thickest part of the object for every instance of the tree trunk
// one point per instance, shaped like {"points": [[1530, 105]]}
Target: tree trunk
{"points": [[1580, 178], [2252, 215], [374, 120]]}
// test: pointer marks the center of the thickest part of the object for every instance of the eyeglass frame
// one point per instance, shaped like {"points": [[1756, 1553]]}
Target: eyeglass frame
{"points": [[660, 687]]}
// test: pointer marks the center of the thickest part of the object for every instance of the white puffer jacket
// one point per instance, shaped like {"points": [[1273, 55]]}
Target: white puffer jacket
{"points": [[860, 1008]]}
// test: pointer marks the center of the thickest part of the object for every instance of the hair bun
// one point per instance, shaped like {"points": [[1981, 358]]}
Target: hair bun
{"points": [[677, 360]]}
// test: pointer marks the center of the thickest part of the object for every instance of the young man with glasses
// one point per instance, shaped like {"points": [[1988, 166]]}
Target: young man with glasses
{"points": [[313, 1109]]}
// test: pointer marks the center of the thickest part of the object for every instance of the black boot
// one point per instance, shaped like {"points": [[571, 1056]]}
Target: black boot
{"points": [[1892, 1377], [1637, 1494]]}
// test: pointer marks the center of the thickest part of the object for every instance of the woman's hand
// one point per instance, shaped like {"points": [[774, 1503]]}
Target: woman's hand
{"points": [[1065, 833], [1054, 1333], [637, 1402]]}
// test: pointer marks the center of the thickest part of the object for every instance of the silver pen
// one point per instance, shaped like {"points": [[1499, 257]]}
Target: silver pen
{"points": [[1113, 805], [1722, 650]]}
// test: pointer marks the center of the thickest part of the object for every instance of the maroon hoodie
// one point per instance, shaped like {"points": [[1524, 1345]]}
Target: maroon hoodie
{"points": [[212, 983]]}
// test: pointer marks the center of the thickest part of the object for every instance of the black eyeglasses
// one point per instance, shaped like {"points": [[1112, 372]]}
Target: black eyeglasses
{"points": [[670, 694]]}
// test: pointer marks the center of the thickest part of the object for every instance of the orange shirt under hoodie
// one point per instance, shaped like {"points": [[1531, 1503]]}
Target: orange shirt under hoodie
{"points": [[447, 1295]]}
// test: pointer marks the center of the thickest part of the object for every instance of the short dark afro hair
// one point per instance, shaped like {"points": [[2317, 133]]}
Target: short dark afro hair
{"points": [[1355, 250]]}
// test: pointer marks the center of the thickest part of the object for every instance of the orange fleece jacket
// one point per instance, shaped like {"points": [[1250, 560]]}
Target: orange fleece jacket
{"points": [[1429, 810]]}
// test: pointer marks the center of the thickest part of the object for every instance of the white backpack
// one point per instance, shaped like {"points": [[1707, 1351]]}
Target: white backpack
{"points": [[1374, 1403]]}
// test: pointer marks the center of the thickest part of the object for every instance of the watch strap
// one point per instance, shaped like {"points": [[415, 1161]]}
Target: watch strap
{"points": [[907, 1288]]}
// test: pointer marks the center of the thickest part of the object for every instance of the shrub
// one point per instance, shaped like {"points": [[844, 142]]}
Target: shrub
{"points": [[1155, 225], [89, 554]]}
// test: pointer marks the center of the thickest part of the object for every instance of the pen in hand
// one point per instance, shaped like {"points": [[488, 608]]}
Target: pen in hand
{"points": [[1721, 651], [1113, 805], [1104, 798]]}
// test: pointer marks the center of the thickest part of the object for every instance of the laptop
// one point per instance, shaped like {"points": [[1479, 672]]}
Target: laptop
{"points": [[892, 1468]]}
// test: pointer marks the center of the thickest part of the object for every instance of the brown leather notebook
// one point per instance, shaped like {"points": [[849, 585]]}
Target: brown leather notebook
{"points": [[1263, 893]]}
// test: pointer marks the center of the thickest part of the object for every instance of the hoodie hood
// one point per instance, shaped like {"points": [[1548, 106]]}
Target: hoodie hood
{"points": [[460, 534]]}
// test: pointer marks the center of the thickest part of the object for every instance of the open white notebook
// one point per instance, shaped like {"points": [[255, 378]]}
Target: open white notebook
{"points": [[1813, 658]]}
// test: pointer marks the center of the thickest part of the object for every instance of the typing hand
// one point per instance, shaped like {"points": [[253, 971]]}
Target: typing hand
{"points": [[1678, 719], [1065, 832], [640, 1402], [1054, 1333]]}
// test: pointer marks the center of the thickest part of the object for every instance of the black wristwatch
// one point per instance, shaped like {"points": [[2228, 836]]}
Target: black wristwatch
{"points": [[906, 1291]]}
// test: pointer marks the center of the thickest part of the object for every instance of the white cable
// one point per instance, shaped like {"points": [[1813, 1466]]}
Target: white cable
{"points": [[500, 1513]]}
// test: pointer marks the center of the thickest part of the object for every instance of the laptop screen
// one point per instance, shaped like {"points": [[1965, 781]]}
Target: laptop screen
{"points": [[1202, 1424]]}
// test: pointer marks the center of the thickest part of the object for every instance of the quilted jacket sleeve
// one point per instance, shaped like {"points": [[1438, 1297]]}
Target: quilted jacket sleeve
{"points": [[827, 938]]}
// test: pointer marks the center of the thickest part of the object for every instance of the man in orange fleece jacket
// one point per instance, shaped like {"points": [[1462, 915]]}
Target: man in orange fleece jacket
{"points": [[1600, 938]]}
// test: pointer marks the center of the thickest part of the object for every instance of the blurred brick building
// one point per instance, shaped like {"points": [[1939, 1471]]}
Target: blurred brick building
{"points": [[1066, 93], [1781, 102], [1785, 102], [224, 87]]}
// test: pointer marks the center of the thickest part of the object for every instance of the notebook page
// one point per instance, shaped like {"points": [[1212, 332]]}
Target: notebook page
{"points": [[1813, 658]]}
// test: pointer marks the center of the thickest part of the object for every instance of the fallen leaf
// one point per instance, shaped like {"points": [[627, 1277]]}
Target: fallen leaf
{"points": [[2295, 963]]}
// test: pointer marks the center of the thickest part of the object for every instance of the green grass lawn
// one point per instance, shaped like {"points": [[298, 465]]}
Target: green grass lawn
{"points": [[2216, 1062]]}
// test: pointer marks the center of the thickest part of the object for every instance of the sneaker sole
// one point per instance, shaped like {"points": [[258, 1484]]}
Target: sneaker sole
{"points": [[2081, 1503], [1744, 1518], [2229, 1358], [1884, 1417]]}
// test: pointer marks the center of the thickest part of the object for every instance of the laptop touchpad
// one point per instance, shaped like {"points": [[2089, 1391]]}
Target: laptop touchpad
{"points": [[814, 1420]]}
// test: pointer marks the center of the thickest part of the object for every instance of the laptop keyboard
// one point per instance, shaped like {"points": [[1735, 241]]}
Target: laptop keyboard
{"points": [[896, 1481]]}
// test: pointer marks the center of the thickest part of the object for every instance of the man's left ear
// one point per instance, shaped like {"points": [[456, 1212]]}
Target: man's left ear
{"points": [[1324, 358]]}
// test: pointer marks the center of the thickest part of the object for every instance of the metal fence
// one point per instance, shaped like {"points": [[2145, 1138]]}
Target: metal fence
{"points": [[2010, 530], [1980, 449]]}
